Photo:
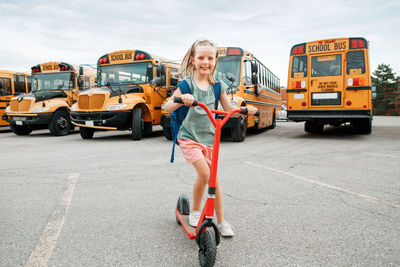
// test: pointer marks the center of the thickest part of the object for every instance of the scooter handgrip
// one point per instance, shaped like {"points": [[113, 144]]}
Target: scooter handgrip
{"points": [[178, 100], [245, 112]]}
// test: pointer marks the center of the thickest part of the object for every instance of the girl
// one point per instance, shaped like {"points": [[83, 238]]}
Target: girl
{"points": [[196, 134]]}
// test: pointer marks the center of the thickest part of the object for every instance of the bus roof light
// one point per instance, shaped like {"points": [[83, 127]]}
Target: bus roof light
{"points": [[356, 43], [234, 52], [137, 56], [105, 60], [101, 61], [298, 49], [142, 56]]}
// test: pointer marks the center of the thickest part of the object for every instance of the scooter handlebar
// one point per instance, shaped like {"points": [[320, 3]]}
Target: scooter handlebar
{"points": [[178, 100]]}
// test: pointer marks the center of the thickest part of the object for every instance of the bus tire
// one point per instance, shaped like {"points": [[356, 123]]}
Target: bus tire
{"points": [[273, 125], [20, 129], [167, 133], [137, 123], [364, 126], [60, 124], [313, 127], [86, 133], [238, 133]]}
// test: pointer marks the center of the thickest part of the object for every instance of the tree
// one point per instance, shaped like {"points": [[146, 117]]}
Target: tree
{"points": [[387, 84]]}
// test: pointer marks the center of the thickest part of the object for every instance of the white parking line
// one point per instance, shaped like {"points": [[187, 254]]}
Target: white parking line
{"points": [[382, 155], [333, 187], [48, 239]]}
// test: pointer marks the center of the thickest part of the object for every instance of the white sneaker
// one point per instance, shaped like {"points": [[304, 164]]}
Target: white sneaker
{"points": [[226, 229], [194, 218]]}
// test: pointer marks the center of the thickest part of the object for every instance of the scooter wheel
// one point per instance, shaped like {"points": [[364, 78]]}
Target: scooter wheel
{"points": [[207, 249]]}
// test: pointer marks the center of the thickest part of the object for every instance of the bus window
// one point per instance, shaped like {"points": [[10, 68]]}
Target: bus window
{"points": [[19, 84], [299, 67], [6, 86], [355, 62], [326, 66], [248, 71]]}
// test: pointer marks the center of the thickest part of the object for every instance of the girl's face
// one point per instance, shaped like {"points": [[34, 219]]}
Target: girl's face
{"points": [[204, 60]]}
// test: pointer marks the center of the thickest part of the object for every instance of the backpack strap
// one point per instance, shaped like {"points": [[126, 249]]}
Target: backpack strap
{"points": [[181, 114], [217, 92]]}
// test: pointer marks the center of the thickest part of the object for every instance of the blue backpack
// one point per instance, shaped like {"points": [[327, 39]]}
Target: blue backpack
{"points": [[179, 115]]}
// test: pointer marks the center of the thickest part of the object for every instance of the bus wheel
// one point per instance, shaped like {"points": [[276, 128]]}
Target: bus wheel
{"points": [[137, 123], [167, 132], [20, 129], [238, 133], [86, 133], [313, 127], [60, 124], [273, 125], [364, 126]]}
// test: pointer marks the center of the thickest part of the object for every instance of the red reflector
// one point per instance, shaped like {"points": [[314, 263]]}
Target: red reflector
{"points": [[356, 81], [348, 103], [298, 84], [365, 106], [303, 103]]}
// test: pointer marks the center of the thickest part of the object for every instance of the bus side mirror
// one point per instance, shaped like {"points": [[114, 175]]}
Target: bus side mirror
{"points": [[254, 67], [230, 77], [254, 79], [173, 81], [80, 82]]}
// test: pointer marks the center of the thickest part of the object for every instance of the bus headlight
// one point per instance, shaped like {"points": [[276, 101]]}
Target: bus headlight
{"points": [[116, 107], [41, 109]]}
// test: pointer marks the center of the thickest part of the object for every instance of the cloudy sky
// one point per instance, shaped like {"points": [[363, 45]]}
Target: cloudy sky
{"points": [[76, 32]]}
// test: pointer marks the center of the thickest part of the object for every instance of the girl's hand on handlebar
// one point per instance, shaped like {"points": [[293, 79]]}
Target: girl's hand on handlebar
{"points": [[251, 110], [187, 99]]}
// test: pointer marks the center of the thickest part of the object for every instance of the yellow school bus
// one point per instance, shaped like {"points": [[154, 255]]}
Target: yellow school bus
{"points": [[126, 97], [55, 86], [329, 82], [253, 84], [11, 84]]}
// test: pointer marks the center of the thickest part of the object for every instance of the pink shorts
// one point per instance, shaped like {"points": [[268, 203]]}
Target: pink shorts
{"points": [[193, 151]]}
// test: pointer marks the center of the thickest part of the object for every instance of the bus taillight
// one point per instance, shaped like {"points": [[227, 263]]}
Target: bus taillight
{"points": [[298, 84], [355, 82]]}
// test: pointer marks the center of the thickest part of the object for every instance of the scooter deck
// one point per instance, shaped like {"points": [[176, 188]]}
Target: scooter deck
{"points": [[185, 220]]}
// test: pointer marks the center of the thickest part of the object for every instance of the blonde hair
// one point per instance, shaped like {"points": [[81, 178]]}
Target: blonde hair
{"points": [[187, 67]]}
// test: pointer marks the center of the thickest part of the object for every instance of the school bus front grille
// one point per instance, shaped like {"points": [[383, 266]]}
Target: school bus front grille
{"points": [[23, 106], [83, 102], [96, 101]]}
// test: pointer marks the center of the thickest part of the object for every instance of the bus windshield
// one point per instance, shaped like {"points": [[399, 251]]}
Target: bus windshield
{"points": [[228, 65], [52, 81], [134, 73]]}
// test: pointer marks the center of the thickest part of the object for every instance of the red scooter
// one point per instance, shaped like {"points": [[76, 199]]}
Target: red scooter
{"points": [[206, 240]]}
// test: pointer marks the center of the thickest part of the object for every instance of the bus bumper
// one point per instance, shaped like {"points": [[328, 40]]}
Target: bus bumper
{"points": [[115, 120], [304, 115], [29, 119]]}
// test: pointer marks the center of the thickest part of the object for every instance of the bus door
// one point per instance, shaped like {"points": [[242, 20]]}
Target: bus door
{"points": [[326, 81], [357, 86]]}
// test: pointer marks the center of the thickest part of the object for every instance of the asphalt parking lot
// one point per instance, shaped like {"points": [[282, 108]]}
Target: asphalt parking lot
{"points": [[294, 199]]}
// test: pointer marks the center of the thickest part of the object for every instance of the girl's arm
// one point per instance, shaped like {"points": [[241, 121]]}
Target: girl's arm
{"points": [[226, 104], [186, 98]]}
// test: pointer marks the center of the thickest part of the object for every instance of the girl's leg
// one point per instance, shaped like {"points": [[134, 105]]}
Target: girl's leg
{"points": [[219, 203], [203, 174]]}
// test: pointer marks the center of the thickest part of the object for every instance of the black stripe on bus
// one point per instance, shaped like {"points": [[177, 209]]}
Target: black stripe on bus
{"points": [[296, 90], [354, 88], [3, 107], [4, 101], [262, 95], [261, 103]]}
